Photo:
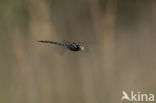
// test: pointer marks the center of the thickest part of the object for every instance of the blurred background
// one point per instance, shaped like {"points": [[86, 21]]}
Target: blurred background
{"points": [[119, 35]]}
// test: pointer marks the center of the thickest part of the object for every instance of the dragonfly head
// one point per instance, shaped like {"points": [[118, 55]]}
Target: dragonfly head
{"points": [[82, 48]]}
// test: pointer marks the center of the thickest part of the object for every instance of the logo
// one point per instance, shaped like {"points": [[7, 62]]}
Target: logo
{"points": [[137, 96]]}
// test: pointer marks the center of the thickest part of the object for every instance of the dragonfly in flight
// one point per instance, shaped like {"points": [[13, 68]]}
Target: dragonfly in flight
{"points": [[73, 46]]}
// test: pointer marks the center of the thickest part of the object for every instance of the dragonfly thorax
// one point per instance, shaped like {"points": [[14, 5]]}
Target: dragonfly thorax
{"points": [[76, 47]]}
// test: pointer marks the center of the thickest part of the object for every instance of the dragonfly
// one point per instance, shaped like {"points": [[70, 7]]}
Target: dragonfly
{"points": [[72, 46]]}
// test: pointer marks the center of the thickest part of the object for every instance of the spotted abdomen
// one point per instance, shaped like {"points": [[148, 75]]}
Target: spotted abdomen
{"points": [[51, 42]]}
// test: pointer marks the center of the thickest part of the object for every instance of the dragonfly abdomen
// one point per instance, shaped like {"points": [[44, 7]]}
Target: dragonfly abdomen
{"points": [[52, 42]]}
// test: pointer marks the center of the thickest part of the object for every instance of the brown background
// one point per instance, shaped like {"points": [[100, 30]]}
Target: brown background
{"points": [[119, 35]]}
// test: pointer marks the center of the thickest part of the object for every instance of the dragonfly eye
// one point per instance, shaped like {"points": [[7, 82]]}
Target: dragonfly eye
{"points": [[81, 47]]}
